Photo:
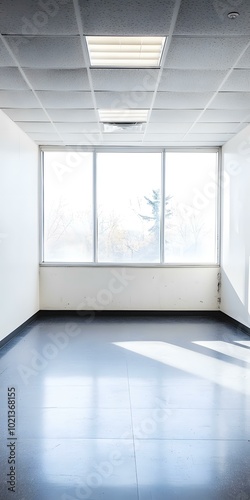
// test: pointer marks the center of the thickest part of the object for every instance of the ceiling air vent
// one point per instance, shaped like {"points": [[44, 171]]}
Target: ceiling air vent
{"points": [[122, 120], [123, 126]]}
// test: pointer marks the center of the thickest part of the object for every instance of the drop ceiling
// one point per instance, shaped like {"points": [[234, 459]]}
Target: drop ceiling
{"points": [[199, 96]]}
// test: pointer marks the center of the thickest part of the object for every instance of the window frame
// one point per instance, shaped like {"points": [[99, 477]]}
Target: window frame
{"points": [[108, 149]]}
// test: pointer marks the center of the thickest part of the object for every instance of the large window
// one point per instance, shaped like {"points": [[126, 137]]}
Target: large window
{"points": [[191, 184], [130, 207], [68, 207]]}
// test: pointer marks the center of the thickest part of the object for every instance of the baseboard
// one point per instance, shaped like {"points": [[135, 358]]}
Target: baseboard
{"points": [[19, 329], [218, 315], [43, 313], [243, 328]]}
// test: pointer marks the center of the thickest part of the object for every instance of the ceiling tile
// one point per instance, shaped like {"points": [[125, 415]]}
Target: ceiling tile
{"points": [[231, 100], [134, 80], [58, 79], [225, 115], [36, 115], [37, 127], [163, 137], [72, 115], [77, 139], [215, 53], [185, 143], [60, 99], [44, 136], [209, 137], [203, 17], [120, 100], [41, 142], [245, 60], [11, 79], [180, 100], [177, 80], [113, 17], [29, 17], [116, 138], [173, 116], [168, 128], [238, 81], [17, 99], [5, 57], [214, 128], [77, 128], [47, 52]]}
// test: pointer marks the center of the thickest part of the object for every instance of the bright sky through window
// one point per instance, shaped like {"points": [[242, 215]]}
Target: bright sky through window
{"points": [[126, 206]]}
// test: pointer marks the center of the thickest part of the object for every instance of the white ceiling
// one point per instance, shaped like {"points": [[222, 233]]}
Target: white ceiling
{"points": [[199, 97]]}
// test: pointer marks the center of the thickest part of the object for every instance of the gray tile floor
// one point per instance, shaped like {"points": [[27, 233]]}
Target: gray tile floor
{"points": [[126, 408]]}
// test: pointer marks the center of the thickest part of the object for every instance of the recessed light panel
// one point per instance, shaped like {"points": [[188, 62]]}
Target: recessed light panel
{"points": [[125, 51], [123, 115]]}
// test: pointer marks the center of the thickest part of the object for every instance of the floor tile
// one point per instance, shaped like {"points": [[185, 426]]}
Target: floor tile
{"points": [[127, 408], [51, 468], [168, 423], [193, 470], [188, 395], [93, 423]]}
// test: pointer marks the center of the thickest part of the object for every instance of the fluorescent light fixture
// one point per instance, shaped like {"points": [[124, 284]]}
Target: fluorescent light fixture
{"points": [[125, 51], [123, 115]]}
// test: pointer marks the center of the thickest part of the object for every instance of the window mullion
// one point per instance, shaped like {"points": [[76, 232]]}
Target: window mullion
{"points": [[95, 222], [162, 224], [41, 206]]}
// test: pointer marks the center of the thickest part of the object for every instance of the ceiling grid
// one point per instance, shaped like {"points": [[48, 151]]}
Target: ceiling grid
{"points": [[198, 96]]}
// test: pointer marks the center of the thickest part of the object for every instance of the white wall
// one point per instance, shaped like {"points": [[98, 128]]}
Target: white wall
{"points": [[19, 270], [236, 227], [110, 288]]}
